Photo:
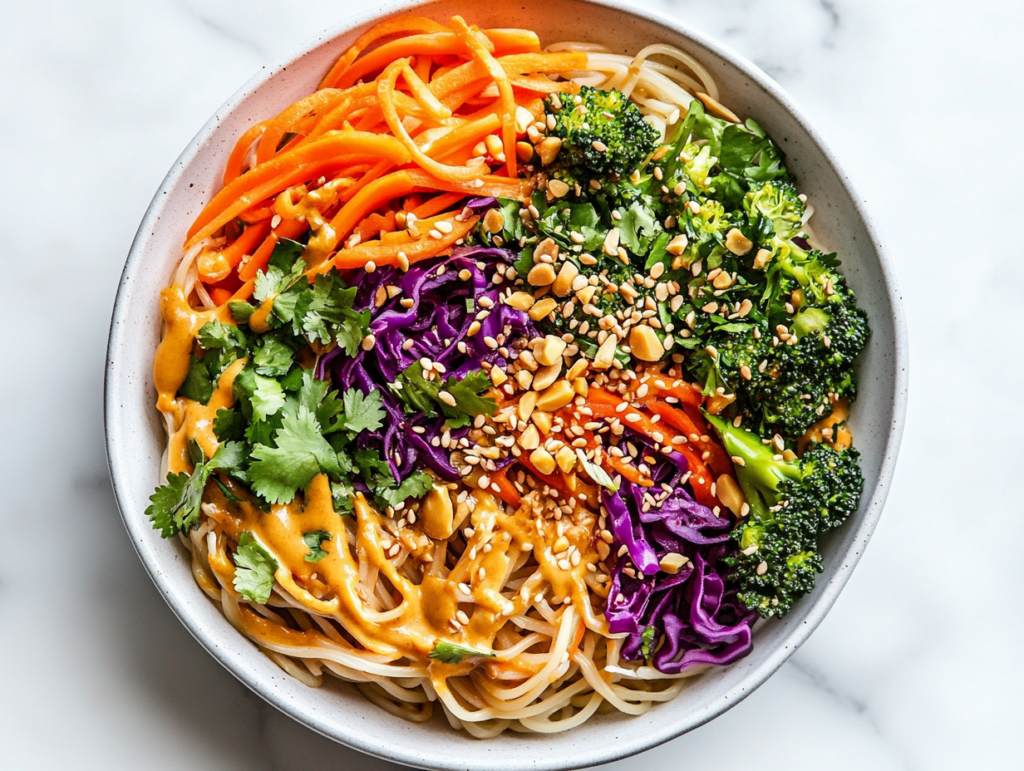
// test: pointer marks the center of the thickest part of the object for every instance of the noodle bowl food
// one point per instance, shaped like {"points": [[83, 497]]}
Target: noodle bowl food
{"points": [[507, 379]]}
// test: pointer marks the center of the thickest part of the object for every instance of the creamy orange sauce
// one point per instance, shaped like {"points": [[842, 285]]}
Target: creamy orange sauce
{"points": [[343, 585], [310, 208], [423, 611], [182, 324], [839, 437]]}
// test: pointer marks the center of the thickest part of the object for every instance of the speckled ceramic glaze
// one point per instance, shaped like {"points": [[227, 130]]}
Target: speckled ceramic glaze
{"points": [[135, 437]]}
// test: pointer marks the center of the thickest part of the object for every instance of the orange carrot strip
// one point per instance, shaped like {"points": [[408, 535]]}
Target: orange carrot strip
{"points": [[469, 73], [374, 225], [466, 135], [506, 490], [500, 41], [438, 203], [541, 84], [422, 67], [396, 26], [424, 96], [257, 213], [700, 477], [283, 170], [508, 99], [233, 168], [370, 198], [718, 459], [513, 41], [433, 44], [323, 100], [628, 470], [217, 265], [381, 254], [336, 118], [385, 90], [491, 185], [220, 296], [260, 258]]}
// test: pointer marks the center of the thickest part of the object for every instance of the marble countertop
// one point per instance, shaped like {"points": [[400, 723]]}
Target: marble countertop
{"points": [[918, 663]]}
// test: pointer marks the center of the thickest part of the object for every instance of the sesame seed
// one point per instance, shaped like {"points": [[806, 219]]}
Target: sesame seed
{"points": [[447, 398], [738, 460]]}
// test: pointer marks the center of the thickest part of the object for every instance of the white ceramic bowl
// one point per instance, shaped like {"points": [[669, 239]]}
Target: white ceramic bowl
{"points": [[135, 435]]}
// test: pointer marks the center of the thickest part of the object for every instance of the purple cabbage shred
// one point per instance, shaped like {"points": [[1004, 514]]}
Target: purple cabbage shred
{"points": [[444, 306]]}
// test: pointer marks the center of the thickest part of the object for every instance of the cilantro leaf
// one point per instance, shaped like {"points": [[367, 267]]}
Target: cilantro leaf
{"points": [[314, 541], [274, 357], [637, 226], [286, 265], [241, 311], [327, 302], [421, 395], [229, 424], [174, 506], [277, 473], [217, 335], [230, 456], [198, 385], [267, 397], [341, 494], [416, 485], [452, 653], [254, 569], [362, 413]]}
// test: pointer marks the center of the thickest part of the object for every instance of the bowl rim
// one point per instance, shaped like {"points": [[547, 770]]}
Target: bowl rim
{"points": [[826, 593]]}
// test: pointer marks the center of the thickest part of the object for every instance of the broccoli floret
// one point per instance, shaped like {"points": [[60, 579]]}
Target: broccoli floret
{"points": [[603, 135], [791, 504], [775, 210]]}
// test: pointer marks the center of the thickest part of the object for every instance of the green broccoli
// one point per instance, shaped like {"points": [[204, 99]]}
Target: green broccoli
{"points": [[791, 503], [603, 135]]}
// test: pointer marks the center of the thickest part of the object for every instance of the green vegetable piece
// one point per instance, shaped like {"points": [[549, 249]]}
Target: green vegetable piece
{"points": [[254, 569], [277, 473], [452, 653], [198, 385], [314, 541], [791, 504]]}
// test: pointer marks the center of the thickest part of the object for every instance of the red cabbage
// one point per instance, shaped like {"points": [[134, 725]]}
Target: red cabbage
{"points": [[697, 618], [444, 307]]}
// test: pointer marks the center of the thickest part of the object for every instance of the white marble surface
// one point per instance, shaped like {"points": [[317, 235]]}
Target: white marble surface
{"points": [[918, 665]]}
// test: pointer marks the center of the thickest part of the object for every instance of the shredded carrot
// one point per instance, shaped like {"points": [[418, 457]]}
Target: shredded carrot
{"points": [[215, 266], [434, 44], [385, 91], [396, 26], [233, 168], [286, 169], [260, 258], [319, 101], [438, 203], [506, 490], [374, 225], [404, 140], [424, 96], [381, 254], [508, 99]]}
